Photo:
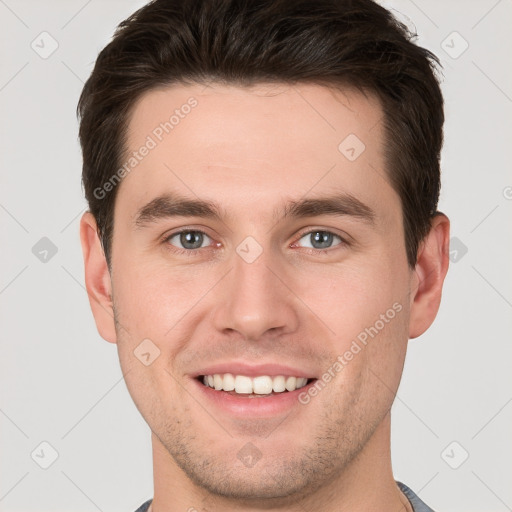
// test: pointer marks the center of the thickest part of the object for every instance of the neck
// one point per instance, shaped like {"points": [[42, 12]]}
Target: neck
{"points": [[366, 484]]}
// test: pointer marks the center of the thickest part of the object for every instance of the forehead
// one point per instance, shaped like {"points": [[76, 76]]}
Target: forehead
{"points": [[258, 143], [223, 115]]}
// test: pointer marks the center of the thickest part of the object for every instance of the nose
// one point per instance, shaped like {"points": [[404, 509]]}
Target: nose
{"points": [[256, 300]]}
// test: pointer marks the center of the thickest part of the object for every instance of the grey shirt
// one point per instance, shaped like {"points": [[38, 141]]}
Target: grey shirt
{"points": [[417, 504]]}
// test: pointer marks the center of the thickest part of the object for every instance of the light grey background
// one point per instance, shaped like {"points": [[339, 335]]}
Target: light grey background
{"points": [[61, 383]]}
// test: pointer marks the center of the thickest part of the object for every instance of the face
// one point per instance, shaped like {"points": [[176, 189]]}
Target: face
{"points": [[291, 263]]}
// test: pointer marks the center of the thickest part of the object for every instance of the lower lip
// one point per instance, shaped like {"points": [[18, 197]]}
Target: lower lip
{"points": [[264, 406]]}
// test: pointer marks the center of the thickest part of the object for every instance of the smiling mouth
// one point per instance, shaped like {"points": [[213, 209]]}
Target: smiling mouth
{"points": [[254, 387]]}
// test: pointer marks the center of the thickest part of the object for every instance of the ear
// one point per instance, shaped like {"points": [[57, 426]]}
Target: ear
{"points": [[428, 277], [97, 278]]}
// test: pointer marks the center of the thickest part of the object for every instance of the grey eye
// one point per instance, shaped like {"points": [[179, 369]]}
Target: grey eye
{"points": [[320, 239], [189, 239]]}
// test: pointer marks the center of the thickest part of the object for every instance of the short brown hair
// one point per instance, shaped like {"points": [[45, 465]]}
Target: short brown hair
{"points": [[246, 42]]}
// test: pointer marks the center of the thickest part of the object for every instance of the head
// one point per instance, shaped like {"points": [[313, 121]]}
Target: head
{"points": [[263, 180]]}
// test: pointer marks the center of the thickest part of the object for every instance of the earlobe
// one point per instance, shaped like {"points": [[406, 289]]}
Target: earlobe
{"points": [[429, 274], [97, 278]]}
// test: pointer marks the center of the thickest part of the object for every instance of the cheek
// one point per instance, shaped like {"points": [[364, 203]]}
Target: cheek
{"points": [[372, 355], [352, 299], [152, 297], [366, 312]]}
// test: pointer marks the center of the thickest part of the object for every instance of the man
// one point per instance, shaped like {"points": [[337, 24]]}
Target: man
{"points": [[262, 242]]}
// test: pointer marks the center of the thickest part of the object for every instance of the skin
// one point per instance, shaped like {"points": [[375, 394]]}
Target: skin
{"points": [[251, 150]]}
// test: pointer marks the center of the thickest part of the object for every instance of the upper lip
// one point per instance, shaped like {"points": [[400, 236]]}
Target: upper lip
{"points": [[240, 368]]}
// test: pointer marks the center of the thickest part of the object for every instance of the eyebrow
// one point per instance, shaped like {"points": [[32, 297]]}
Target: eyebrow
{"points": [[174, 205]]}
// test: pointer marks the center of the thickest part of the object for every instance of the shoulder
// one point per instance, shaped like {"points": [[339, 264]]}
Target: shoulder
{"points": [[144, 507], [416, 503]]}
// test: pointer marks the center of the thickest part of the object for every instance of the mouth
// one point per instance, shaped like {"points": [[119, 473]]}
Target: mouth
{"points": [[242, 390], [261, 386], [253, 397]]}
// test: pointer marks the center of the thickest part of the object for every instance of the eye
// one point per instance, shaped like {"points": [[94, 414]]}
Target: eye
{"points": [[319, 239], [191, 239]]}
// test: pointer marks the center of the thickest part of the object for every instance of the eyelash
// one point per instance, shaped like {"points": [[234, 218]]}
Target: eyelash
{"points": [[309, 250]]}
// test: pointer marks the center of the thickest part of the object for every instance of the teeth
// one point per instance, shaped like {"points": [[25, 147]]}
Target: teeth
{"points": [[291, 383], [228, 382], [279, 384], [261, 385], [243, 384], [217, 382]]}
